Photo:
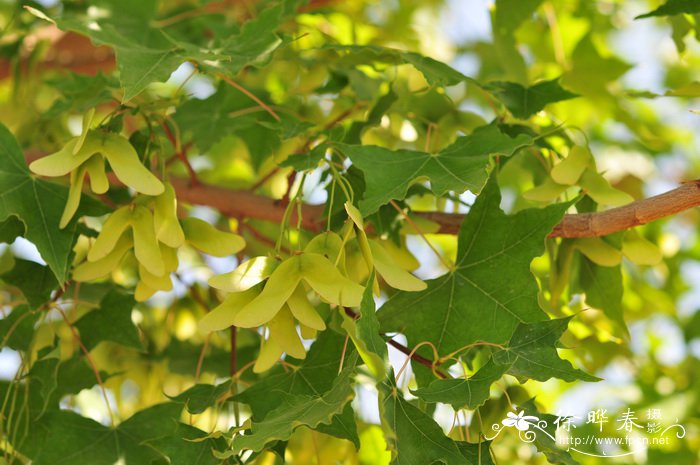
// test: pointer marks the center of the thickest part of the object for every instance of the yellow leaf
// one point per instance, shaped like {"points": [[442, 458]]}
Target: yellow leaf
{"points": [[210, 240], [146, 246], [276, 292], [394, 276], [246, 275], [599, 251], [127, 166], [328, 282], [87, 271], [570, 169], [167, 225], [112, 230], [303, 310], [283, 332], [223, 316]]}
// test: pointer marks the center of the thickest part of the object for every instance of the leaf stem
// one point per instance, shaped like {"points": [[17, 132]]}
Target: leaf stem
{"points": [[233, 368], [444, 358], [180, 151], [90, 360], [250, 95], [411, 355]]}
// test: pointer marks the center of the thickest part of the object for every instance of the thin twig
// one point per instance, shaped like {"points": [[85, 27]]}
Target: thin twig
{"points": [[342, 355], [180, 151], [417, 357], [200, 359], [233, 368], [306, 145], [250, 95], [413, 352], [95, 371], [403, 349], [262, 238], [233, 359], [264, 179]]}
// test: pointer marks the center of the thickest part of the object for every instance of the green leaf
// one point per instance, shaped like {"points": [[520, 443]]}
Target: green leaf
{"points": [[186, 447], [144, 54], [225, 113], [312, 379], [182, 358], [210, 120], [507, 17], [461, 166], [365, 334], [35, 281], [11, 229], [412, 436], [147, 54], [490, 291], [110, 322], [342, 426], [255, 42], [76, 440], [298, 410], [80, 93], [591, 72], [374, 118], [673, 7], [17, 328], [57, 378], [434, 71], [200, 397], [525, 101], [39, 205], [71, 438], [478, 454], [532, 353], [140, 66], [460, 393], [603, 288], [306, 161]]}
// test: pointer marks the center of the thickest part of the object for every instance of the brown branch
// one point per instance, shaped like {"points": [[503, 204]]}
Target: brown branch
{"points": [[180, 152], [596, 224], [245, 204], [643, 211], [418, 358], [68, 51]]}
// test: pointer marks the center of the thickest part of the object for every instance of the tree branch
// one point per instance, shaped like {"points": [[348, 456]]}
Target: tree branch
{"points": [[244, 204], [628, 216], [238, 203]]}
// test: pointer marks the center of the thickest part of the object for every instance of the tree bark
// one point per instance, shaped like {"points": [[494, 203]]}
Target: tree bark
{"points": [[242, 204]]}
